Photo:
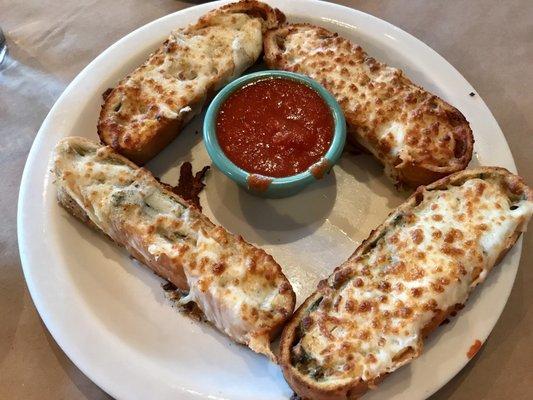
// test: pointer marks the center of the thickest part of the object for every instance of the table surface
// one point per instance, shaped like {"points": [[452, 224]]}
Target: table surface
{"points": [[488, 41]]}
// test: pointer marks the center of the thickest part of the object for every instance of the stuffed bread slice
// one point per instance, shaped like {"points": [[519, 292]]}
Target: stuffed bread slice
{"points": [[417, 136], [149, 107], [238, 287], [371, 315]]}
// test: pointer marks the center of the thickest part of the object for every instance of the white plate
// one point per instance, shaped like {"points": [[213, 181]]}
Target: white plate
{"points": [[110, 315]]}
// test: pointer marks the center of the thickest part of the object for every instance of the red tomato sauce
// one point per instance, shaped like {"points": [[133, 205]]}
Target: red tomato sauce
{"points": [[474, 349], [274, 127]]}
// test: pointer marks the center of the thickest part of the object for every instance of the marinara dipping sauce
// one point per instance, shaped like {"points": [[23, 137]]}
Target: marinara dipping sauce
{"points": [[275, 127]]}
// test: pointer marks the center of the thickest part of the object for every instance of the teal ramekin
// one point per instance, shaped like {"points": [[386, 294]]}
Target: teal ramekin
{"points": [[278, 187]]}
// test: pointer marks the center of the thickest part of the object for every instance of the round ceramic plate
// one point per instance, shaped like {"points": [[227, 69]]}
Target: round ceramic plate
{"points": [[110, 315]]}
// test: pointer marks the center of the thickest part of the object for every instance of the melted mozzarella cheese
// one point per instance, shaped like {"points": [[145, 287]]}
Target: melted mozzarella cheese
{"points": [[396, 120], [426, 263], [392, 133], [239, 288], [174, 82]]}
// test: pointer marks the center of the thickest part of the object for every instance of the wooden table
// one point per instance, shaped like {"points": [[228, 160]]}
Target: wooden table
{"points": [[489, 41]]}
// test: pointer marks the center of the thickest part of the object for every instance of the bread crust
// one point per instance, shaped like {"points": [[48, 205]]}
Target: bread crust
{"points": [[302, 384], [394, 98], [140, 140]]}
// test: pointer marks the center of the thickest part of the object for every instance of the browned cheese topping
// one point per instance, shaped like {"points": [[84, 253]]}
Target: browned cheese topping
{"points": [[398, 121], [370, 315], [173, 84], [239, 288]]}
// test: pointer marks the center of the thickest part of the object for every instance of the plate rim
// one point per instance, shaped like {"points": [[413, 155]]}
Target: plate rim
{"points": [[23, 231]]}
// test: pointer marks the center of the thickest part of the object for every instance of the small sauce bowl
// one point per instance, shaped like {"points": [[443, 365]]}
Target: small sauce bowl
{"points": [[269, 186]]}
